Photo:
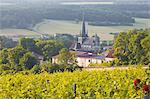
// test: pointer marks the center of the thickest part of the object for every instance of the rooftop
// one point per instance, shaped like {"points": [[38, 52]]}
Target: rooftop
{"points": [[81, 54]]}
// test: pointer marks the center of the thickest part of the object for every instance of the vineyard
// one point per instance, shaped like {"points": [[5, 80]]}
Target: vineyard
{"points": [[105, 84]]}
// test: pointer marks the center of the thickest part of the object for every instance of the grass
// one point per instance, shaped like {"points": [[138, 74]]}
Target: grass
{"points": [[55, 26]]}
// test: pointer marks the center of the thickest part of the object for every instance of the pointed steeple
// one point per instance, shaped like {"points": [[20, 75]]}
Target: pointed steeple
{"points": [[83, 28]]}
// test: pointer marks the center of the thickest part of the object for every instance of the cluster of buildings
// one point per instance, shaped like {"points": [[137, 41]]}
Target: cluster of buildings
{"points": [[86, 49], [84, 59]]}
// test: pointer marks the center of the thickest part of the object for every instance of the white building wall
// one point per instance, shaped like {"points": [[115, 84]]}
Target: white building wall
{"points": [[85, 62], [109, 59]]}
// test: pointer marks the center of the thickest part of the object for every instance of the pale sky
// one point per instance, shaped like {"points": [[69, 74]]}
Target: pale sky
{"points": [[79, 2]]}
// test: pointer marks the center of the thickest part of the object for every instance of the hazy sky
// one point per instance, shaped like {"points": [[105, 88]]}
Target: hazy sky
{"points": [[58, 1], [73, 0]]}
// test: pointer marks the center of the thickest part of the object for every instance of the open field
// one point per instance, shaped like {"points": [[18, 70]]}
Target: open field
{"points": [[17, 32], [70, 27], [53, 26]]}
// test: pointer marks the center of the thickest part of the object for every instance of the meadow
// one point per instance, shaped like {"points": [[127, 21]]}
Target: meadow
{"points": [[105, 84], [56, 26]]}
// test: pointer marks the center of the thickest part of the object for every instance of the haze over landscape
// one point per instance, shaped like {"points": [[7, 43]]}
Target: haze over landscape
{"points": [[103, 16], [74, 49]]}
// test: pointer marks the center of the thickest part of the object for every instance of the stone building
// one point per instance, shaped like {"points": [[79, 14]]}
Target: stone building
{"points": [[86, 43]]}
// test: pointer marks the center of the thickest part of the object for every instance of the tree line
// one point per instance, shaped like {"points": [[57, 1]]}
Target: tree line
{"points": [[132, 47], [22, 56], [95, 15]]}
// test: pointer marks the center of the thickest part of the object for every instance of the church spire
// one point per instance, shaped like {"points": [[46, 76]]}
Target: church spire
{"points": [[83, 29]]}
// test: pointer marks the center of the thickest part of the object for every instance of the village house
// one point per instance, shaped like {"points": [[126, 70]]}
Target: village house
{"points": [[39, 57], [109, 55], [84, 59]]}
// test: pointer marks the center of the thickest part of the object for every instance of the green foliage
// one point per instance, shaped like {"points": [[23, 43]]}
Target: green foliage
{"points": [[111, 84], [16, 59], [49, 48], [20, 58], [67, 60], [4, 67], [49, 67], [3, 56], [105, 64], [36, 69], [28, 61], [14, 56], [133, 47], [6, 43], [27, 43], [66, 39]]}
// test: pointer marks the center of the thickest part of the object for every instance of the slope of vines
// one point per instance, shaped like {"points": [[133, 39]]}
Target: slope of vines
{"points": [[89, 85]]}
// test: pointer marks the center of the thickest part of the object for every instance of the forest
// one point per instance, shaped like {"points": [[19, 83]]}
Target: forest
{"points": [[101, 15]]}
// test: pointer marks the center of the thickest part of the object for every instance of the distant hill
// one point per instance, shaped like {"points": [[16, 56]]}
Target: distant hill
{"points": [[26, 14]]}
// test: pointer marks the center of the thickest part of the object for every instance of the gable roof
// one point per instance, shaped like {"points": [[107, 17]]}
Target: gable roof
{"points": [[81, 54], [88, 41], [110, 54]]}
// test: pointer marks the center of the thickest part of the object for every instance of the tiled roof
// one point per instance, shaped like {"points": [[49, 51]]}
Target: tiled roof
{"points": [[110, 54], [88, 41], [85, 55], [94, 56], [79, 52]]}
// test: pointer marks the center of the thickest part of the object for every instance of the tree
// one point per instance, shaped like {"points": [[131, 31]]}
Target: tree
{"points": [[27, 43], [67, 59], [121, 49], [66, 39], [49, 67], [133, 47], [4, 56], [28, 61], [6, 43], [17, 59], [14, 56], [138, 54], [49, 48], [145, 43]]}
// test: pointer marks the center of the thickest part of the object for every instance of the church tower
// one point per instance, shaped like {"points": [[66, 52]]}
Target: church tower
{"points": [[83, 28], [83, 34], [85, 43]]}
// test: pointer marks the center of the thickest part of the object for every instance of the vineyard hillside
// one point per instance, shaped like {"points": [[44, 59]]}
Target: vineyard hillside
{"points": [[105, 84]]}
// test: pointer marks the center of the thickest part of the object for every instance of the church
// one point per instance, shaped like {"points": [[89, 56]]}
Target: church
{"points": [[86, 43]]}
